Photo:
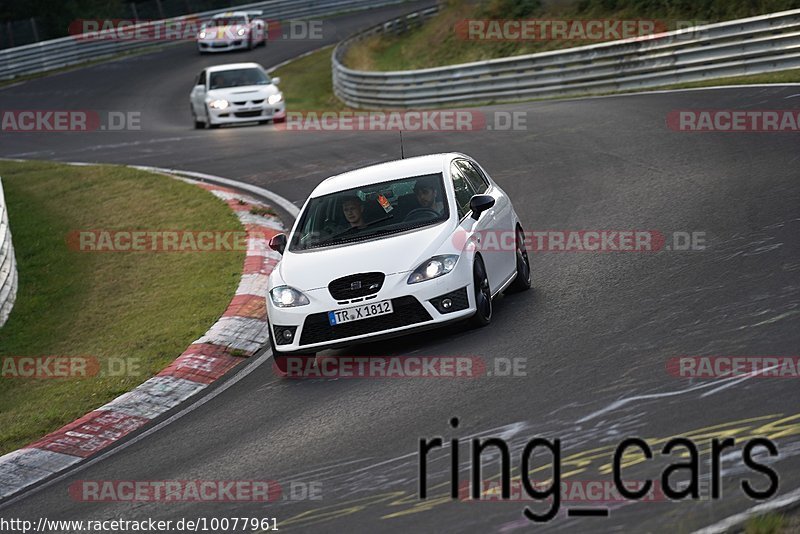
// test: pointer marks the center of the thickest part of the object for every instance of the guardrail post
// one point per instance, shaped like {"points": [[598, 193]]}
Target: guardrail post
{"points": [[35, 30], [160, 9]]}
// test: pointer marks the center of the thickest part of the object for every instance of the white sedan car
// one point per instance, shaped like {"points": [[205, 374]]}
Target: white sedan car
{"points": [[390, 249], [236, 93], [235, 30]]}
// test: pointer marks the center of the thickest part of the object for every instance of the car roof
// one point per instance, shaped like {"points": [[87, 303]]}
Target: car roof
{"points": [[230, 14], [232, 66], [384, 172]]}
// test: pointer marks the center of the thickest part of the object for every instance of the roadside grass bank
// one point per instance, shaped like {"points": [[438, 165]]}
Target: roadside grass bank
{"points": [[436, 43], [307, 84], [134, 312]]}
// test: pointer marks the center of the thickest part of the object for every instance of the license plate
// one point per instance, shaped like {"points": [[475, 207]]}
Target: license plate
{"points": [[357, 313]]}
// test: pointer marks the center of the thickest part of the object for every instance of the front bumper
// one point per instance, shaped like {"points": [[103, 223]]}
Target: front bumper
{"points": [[223, 46], [416, 307], [248, 113]]}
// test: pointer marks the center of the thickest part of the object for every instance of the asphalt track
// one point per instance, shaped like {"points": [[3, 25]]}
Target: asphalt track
{"points": [[596, 332]]}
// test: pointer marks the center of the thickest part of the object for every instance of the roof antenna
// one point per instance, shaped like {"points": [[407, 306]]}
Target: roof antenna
{"points": [[402, 151]]}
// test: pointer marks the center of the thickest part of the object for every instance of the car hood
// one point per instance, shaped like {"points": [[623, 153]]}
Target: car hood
{"points": [[245, 92], [400, 253], [225, 32]]}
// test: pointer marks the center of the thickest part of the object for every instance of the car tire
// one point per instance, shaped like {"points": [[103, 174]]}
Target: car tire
{"points": [[197, 124], [209, 124], [522, 281], [483, 295]]}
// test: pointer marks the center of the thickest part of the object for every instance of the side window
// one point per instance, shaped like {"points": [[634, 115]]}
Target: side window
{"points": [[201, 80], [475, 177], [463, 190]]}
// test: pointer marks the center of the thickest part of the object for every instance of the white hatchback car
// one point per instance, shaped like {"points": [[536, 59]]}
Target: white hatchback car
{"points": [[235, 30], [390, 249], [236, 93]]}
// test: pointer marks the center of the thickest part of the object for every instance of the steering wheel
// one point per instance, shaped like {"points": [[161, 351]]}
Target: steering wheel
{"points": [[331, 228], [415, 213]]}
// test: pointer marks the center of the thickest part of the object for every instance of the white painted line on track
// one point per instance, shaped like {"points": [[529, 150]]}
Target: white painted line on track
{"points": [[284, 203], [728, 523], [721, 384]]}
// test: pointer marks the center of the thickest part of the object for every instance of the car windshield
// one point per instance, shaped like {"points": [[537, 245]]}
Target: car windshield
{"points": [[238, 77], [371, 211], [227, 21]]}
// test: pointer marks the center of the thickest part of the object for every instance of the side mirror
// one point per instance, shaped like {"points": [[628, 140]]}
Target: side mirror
{"points": [[480, 203], [278, 243], [276, 80]]}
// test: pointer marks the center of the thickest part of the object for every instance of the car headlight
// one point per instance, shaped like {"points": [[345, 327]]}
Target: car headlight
{"points": [[274, 99], [202, 34], [433, 268], [219, 104], [241, 32], [287, 297]]}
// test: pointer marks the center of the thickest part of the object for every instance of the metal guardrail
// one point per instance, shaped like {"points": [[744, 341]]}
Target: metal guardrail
{"points": [[8, 264], [66, 51], [754, 45]]}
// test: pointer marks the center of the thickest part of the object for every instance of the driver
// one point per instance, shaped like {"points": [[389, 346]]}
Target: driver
{"points": [[353, 209], [427, 192], [220, 81]]}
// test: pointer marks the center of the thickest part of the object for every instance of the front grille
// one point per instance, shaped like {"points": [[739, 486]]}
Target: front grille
{"points": [[356, 285], [247, 114], [241, 103], [407, 311], [258, 101]]}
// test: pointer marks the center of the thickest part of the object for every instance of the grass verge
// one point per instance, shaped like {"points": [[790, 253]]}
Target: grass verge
{"points": [[139, 309], [766, 524], [436, 43], [307, 83]]}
